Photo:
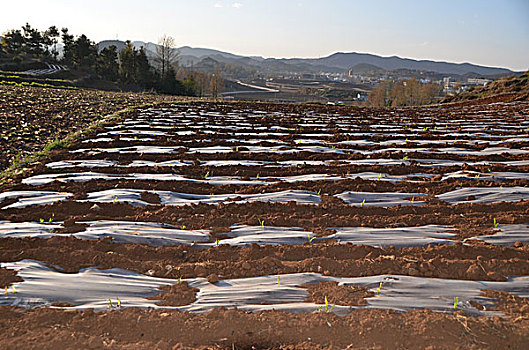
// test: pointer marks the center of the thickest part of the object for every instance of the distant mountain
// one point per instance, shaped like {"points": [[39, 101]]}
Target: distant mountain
{"points": [[345, 60], [338, 62]]}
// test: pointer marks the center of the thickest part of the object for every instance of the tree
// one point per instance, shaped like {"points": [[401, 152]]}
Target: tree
{"points": [[107, 63], [166, 53], [127, 70], [13, 42], [51, 37], [68, 43], [215, 84]]}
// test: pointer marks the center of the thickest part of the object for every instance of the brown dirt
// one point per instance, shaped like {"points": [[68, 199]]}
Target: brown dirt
{"points": [[471, 262], [176, 295], [509, 304], [335, 294], [233, 329], [7, 277]]}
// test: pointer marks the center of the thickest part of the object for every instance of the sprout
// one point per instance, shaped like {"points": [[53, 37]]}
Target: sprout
{"points": [[379, 176], [207, 175], [261, 222], [496, 223], [217, 241], [319, 192], [119, 302], [405, 158], [109, 304], [310, 238], [362, 204], [14, 290], [278, 280], [327, 308], [378, 289], [456, 300]]}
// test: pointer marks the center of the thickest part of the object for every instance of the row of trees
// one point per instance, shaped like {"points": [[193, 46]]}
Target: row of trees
{"points": [[404, 93], [30, 41], [129, 67]]}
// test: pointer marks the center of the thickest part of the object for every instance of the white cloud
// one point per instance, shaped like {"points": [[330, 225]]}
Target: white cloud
{"points": [[237, 5], [218, 4]]}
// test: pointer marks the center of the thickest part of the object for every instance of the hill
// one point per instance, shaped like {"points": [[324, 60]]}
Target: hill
{"points": [[513, 88]]}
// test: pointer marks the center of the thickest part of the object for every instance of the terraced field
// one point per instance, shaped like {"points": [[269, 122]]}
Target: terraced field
{"points": [[275, 226]]}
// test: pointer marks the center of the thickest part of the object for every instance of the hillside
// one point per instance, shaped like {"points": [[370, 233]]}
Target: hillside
{"points": [[513, 88]]}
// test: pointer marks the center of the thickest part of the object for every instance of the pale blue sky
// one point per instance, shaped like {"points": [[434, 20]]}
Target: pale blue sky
{"points": [[492, 33]]}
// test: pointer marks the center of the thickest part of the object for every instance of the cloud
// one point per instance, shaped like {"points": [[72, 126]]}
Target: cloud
{"points": [[237, 5], [218, 4]]}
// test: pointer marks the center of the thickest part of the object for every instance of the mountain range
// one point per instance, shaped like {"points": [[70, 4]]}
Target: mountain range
{"points": [[335, 63]]}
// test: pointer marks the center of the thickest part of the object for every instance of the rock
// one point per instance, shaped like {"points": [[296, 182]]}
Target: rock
{"points": [[518, 244], [95, 207], [213, 278]]}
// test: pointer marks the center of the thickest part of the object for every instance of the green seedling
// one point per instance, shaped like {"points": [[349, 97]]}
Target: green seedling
{"points": [[362, 204], [179, 280], [14, 290], [278, 280], [119, 303], [41, 221], [217, 241], [496, 223], [114, 199], [378, 289], [405, 158], [110, 304], [319, 192], [207, 175], [379, 177], [257, 177], [328, 308], [310, 238], [237, 149], [456, 300], [6, 289], [183, 227], [261, 222]]}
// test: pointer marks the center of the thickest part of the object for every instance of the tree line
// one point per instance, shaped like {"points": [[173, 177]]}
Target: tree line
{"points": [[130, 68], [410, 92]]}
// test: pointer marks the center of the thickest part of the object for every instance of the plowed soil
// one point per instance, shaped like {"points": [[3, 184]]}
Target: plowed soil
{"points": [[418, 139]]}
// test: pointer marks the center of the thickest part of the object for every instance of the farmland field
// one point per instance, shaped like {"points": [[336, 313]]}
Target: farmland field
{"points": [[232, 225]]}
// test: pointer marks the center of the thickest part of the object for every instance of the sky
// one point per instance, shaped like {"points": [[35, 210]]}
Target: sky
{"points": [[484, 32]]}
